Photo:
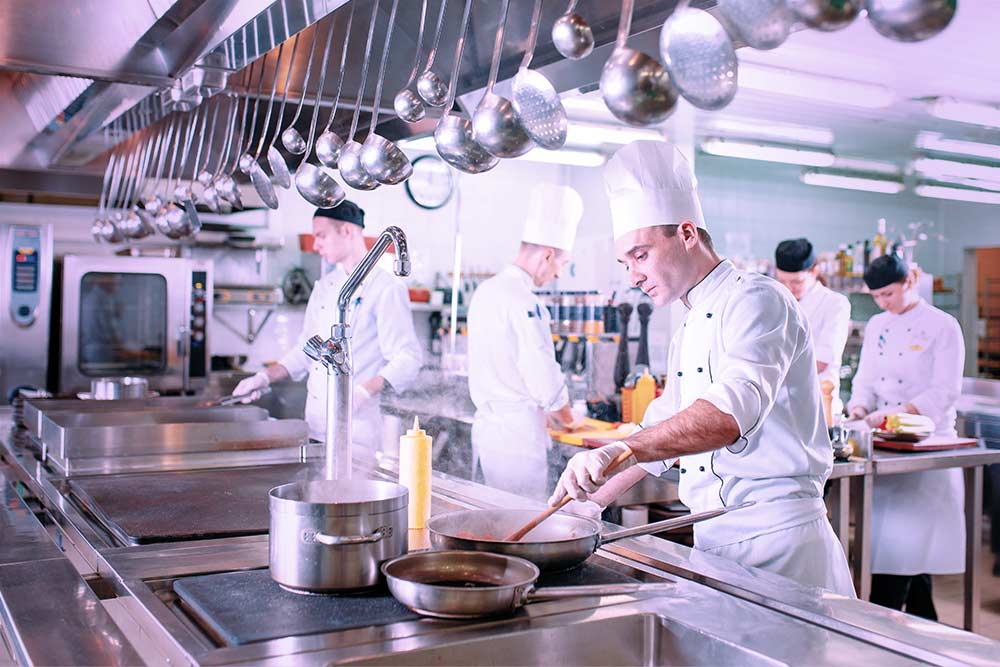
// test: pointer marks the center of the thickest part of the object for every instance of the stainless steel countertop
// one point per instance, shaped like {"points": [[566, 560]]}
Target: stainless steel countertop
{"points": [[890, 463]]}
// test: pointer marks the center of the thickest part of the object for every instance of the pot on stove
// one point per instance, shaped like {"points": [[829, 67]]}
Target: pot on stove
{"points": [[332, 536]]}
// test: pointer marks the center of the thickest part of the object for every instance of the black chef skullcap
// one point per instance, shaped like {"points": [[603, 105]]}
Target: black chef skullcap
{"points": [[886, 270], [347, 211], [794, 255]]}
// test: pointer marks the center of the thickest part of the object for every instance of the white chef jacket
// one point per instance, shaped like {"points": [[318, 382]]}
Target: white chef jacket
{"points": [[745, 347], [829, 316], [514, 381], [383, 342], [918, 519]]}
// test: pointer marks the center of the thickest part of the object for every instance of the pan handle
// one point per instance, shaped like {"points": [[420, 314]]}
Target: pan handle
{"points": [[669, 524], [560, 592], [341, 540]]}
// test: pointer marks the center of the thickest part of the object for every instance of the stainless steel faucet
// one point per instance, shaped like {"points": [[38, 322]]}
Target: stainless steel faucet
{"points": [[335, 354]]}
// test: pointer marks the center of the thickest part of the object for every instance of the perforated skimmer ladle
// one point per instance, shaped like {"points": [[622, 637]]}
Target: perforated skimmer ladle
{"points": [[699, 55], [536, 102], [453, 134], [495, 124], [380, 157]]}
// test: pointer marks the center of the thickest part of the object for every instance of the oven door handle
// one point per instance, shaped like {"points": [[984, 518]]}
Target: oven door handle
{"points": [[183, 352]]}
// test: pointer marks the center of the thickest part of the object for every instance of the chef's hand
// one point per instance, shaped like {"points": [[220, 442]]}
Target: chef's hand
{"points": [[858, 412], [875, 419], [588, 508], [585, 472], [252, 386], [361, 396]]}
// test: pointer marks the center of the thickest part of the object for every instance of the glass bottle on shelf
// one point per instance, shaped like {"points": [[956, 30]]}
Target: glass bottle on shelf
{"points": [[880, 242]]}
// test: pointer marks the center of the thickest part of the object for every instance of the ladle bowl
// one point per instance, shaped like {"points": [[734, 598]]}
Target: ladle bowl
{"points": [[329, 147], [317, 186], [262, 184], [384, 160], [825, 15], [432, 88], [910, 20], [498, 129], [409, 107], [636, 88], [279, 169], [698, 53], [353, 170], [455, 143], [572, 36], [293, 141]]}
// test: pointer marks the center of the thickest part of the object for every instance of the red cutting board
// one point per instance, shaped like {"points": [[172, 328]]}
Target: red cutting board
{"points": [[935, 443]]}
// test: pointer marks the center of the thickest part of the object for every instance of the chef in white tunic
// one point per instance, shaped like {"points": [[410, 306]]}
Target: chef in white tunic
{"points": [[384, 345], [514, 379], [741, 408], [912, 360], [828, 312]]}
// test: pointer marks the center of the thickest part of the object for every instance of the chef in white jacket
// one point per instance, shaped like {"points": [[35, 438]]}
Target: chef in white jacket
{"points": [[514, 379], [384, 345], [828, 312], [741, 408], [911, 361]]}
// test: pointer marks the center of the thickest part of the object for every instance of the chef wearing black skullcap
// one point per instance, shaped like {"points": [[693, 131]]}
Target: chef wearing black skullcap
{"points": [[828, 312], [384, 345], [911, 362]]}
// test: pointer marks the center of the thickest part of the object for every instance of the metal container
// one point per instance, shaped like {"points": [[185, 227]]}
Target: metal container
{"points": [[332, 536], [113, 389]]}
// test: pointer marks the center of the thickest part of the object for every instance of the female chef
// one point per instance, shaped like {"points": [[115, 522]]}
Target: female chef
{"points": [[911, 361]]}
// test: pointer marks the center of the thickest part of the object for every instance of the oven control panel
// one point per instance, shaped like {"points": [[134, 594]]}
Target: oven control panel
{"points": [[198, 359], [26, 262]]}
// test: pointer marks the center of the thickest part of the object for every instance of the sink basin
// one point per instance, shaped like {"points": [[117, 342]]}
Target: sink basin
{"points": [[638, 639]]}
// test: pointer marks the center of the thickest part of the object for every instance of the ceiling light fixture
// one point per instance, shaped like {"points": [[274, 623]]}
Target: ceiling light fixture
{"points": [[567, 156], [581, 133], [959, 194], [851, 181], [769, 130], [767, 152], [869, 166], [937, 143], [815, 87], [973, 113], [950, 169]]}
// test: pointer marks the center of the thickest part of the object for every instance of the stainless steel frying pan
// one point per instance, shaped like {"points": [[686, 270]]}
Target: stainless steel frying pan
{"points": [[560, 542], [475, 584]]}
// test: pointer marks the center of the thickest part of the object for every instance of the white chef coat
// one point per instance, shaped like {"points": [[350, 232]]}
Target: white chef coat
{"points": [[745, 347], [829, 316], [918, 519], [514, 381], [383, 342]]}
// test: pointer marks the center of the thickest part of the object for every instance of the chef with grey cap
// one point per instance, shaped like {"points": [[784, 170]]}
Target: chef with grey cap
{"points": [[384, 345], [828, 312], [741, 409], [514, 379]]}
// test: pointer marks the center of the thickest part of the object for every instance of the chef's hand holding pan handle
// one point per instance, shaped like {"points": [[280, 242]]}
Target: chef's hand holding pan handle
{"points": [[588, 471], [251, 387], [858, 412]]}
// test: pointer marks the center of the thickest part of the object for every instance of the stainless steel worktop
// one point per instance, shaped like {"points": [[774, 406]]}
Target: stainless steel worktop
{"points": [[718, 612]]}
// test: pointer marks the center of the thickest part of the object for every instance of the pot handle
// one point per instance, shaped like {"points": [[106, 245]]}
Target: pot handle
{"points": [[341, 540]]}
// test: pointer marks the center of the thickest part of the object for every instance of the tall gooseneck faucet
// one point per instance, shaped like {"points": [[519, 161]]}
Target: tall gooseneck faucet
{"points": [[335, 354]]}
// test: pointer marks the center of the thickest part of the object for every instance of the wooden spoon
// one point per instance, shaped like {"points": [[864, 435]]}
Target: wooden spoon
{"points": [[519, 534]]}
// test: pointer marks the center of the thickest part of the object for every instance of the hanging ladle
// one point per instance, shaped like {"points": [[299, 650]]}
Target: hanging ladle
{"points": [[407, 104], [699, 55], [495, 123], [430, 86], [571, 35], [315, 183], [329, 144], [536, 102], [380, 157], [453, 134], [280, 175], [260, 180], [290, 137], [635, 86], [210, 195], [351, 168]]}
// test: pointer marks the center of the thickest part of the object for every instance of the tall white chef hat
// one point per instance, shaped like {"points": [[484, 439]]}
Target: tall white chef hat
{"points": [[651, 183], [554, 212]]}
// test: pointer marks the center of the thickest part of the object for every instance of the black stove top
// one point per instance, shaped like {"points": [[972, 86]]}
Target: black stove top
{"points": [[248, 606]]}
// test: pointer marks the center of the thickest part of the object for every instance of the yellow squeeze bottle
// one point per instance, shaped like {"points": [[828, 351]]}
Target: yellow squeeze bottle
{"points": [[415, 473], [642, 396]]}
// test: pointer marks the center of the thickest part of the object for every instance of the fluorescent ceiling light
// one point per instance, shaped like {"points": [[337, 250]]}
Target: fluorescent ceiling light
{"points": [[565, 156], [581, 133], [761, 129], [870, 166], [935, 141], [966, 112], [767, 152], [851, 182], [949, 169], [815, 87], [960, 194]]}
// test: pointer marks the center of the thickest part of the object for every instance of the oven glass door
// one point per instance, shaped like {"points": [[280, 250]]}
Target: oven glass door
{"points": [[123, 324]]}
